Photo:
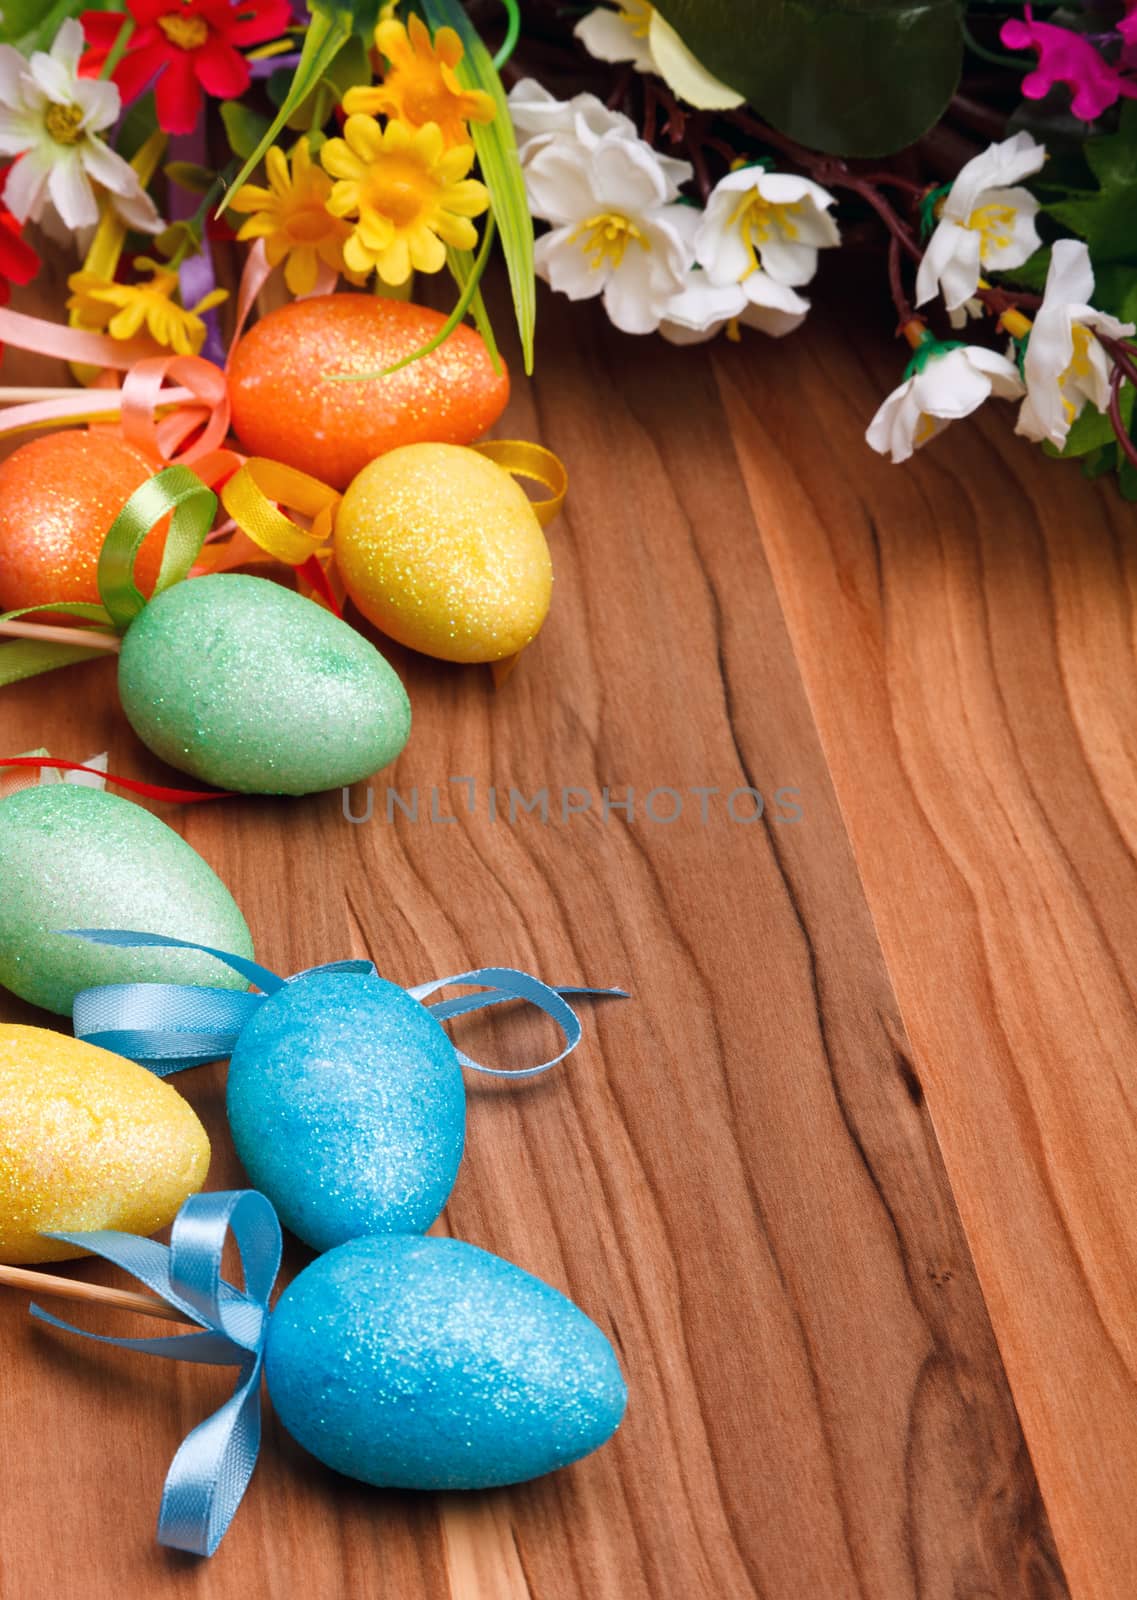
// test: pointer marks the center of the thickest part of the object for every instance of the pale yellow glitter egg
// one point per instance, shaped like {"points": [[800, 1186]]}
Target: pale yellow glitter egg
{"points": [[441, 548], [87, 1140]]}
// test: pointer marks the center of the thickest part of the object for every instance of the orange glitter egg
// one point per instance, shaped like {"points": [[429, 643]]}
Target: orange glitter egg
{"points": [[58, 497], [284, 407]]}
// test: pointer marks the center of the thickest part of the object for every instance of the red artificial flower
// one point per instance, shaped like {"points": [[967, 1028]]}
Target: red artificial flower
{"points": [[18, 261], [186, 45]]}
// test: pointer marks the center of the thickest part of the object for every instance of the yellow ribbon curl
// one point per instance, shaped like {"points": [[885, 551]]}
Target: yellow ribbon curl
{"points": [[257, 491], [258, 488]]}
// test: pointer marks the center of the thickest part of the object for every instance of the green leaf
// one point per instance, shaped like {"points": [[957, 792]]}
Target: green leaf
{"points": [[1100, 462], [330, 29], [1115, 288], [189, 176], [1032, 273], [500, 167], [178, 239], [244, 128], [1106, 218], [1093, 429], [853, 78], [139, 122], [351, 66], [27, 22]]}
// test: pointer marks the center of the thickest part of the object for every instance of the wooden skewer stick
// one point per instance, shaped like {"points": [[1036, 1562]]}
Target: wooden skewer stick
{"points": [[18, 395], [89, 638], [96, 1293]]}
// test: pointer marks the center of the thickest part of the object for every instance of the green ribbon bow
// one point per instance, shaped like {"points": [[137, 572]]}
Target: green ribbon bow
{"points": [[175, 492]]}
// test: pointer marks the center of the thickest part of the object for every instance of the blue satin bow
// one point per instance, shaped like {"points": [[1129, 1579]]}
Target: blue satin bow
{"points": [[169, 1026], [211, 1470]]}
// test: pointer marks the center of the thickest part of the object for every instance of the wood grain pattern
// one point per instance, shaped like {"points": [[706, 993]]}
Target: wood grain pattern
{"points": [[966, 634], [737, 1175]]}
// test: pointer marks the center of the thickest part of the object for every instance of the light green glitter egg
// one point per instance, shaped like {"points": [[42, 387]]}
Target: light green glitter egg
{"points": [[73, 857], [250, 686]]}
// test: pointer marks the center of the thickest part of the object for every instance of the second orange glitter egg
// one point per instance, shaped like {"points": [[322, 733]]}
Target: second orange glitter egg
{"points": [[58, 497]]}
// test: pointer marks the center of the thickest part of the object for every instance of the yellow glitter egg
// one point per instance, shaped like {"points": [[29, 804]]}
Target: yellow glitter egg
{"points": [[441, 548], [87, 1140]]}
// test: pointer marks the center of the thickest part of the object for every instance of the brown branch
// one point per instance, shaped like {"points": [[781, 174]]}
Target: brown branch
{"points": [[904, 312], [1123, 367]]}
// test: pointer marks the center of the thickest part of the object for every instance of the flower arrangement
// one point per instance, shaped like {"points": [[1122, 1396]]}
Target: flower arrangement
{"points": [[688, 164]]}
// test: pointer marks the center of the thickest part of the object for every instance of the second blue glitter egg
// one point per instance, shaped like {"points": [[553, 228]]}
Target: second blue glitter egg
{"points": [[347, 1108]]}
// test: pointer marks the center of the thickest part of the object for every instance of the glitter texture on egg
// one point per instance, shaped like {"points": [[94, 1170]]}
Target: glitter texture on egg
{"points": [[58, 497], [87, 1140], [440, 548], [426, 1363], [347, 1108], [250, 686], [73, 857], [285, 408]]}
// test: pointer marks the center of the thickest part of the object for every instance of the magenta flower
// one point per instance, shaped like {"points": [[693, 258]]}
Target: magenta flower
{"points": [[1127, 28], [1070, 58]]}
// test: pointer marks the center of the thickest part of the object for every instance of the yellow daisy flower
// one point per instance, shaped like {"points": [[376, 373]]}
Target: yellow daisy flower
{"points": [[292, 218], [408, 195], [421, 85], [124, 308]]}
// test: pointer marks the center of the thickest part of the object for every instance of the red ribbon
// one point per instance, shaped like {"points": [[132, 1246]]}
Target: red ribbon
{"points": [[151, 791]]}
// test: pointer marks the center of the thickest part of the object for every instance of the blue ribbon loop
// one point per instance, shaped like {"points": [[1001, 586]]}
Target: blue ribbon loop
{"points": [[212, 1467], [169, 1026]]}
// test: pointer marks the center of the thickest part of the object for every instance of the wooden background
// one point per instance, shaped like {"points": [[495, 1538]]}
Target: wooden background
{"points": [[848, 1183]]}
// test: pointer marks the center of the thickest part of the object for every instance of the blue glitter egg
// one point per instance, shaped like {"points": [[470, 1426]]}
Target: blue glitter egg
{"points": [[425, 1363], [347, 1108]]}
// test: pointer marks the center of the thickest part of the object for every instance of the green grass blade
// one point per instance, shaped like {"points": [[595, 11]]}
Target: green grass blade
{"points": [[501, 169], [330, 29], [512, 34], [461, 263]]}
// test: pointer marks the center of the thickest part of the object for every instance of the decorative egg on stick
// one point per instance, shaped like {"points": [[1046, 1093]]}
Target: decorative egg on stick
{"points": [[405, 1362], [87, 1140], [345, 1096], [72, 856]]}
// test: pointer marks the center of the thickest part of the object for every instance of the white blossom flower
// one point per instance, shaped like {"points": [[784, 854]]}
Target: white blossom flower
{"points": [[985, 222], [634, 31], [616, 229], [1065, 365], [50, 119], [970, 311], [703, 309], [949, 381], [538, 117], [770, 219]]}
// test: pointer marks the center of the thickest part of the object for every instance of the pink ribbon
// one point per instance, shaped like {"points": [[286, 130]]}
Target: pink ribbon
{"points": [[72, 344], [142, 396], [256, 273]]}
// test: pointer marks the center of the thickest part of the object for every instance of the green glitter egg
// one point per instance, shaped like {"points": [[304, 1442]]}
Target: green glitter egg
{"points": [[250, 686], [73, 857]]}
